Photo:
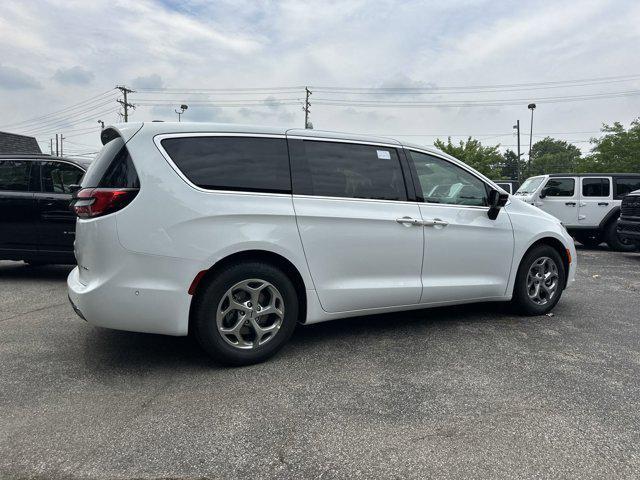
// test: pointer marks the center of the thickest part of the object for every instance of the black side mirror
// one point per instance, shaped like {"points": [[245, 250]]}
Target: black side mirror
{"points": [[543, 193], [497, 200], [73, 188]]}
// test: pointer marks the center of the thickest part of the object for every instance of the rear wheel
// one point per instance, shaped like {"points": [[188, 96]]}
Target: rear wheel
{"points": [[246, 313], [539, 282], [615, 242]]}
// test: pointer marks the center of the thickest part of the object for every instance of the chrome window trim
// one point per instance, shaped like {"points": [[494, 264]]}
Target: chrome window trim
{"points": [[457, 163], [397, 146], [157, 139]]}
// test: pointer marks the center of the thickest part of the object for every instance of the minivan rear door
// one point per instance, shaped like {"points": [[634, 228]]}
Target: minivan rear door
{"points": [[362, 238], [18, 215]]}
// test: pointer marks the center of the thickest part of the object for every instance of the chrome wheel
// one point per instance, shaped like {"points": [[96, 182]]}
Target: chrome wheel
{"points": [[542, 281], [250, 313]]}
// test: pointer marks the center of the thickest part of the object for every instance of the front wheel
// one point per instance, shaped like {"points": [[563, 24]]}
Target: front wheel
{"points": [[539, 282], [245, 314], [616, 243]]}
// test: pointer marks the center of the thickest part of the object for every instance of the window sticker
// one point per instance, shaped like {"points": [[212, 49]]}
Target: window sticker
{"points": [[384, 154]]}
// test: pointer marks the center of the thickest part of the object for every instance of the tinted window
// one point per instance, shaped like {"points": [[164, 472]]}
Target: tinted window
{"points": [[232, 163], [625, 186], [595, 187], [560, 187], [14, 175], [112, 168], [444, 182], [57, 177], [347, 170]]}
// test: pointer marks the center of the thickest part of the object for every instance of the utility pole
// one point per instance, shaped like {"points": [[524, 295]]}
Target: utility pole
{"points": [[61, 151], [124, 102], [56, 144], [51, 145], [307, 108], [517, 127]]}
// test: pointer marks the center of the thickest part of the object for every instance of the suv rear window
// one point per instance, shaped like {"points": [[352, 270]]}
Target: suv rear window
{"points": [[624, 186], [252, 164], [112, 168], [595, 187]]}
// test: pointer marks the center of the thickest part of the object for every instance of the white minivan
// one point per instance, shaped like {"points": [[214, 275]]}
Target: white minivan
{"points": [[588, 204], [235, 234]]}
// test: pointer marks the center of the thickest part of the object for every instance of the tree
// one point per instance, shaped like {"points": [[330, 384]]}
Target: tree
{"points": [[550, 155], [513, 168], [617, 151], [487, 160]]}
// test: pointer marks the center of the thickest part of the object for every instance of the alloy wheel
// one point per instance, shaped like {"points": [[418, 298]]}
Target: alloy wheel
{"points": [[542, 280], [250, 313]]}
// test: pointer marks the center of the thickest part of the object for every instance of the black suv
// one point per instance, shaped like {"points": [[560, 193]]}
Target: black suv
{"points": [[629, 222], [36, 224]]}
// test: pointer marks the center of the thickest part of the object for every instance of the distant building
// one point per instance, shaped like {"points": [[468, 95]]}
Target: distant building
{"points": [[14, 143]]}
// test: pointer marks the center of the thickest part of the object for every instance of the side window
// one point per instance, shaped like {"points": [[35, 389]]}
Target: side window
{"points": [[350, 170], [445, 182], [14, 175], [560, 187], [595, 187], [57, 177], [624, 186], [252, 164]]}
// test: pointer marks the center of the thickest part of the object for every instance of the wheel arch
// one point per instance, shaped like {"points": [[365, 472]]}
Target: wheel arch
{"points": [[556, 245], [612, 216], [265, 256]]}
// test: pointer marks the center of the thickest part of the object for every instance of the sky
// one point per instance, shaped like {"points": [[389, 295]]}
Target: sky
{"points": [[60, 61]]}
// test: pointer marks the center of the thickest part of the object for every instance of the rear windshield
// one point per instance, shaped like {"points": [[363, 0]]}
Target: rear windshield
{"points": [[112, 168]]}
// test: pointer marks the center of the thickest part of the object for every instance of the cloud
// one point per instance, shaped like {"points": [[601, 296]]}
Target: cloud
{"points": [[73, 76], [153, 81], [13, 79]]}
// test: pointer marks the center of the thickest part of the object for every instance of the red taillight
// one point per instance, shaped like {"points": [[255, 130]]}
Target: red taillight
{"points": [[94, 202]]}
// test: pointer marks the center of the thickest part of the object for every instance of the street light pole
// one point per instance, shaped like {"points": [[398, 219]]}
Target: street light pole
{"points": [[532, 107], [182, 109]]}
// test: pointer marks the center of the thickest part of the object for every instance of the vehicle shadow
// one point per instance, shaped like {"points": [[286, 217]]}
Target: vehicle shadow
{"points": [[112, 350], [21, 271]]}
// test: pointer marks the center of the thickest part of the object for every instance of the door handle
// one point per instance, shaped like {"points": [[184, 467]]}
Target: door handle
{"points": [[570, 204], [436, 222], [408, 221], [603, 204]]}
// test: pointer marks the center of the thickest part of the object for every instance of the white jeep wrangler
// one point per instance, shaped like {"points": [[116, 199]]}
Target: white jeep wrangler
{"points": [[588, 204]]}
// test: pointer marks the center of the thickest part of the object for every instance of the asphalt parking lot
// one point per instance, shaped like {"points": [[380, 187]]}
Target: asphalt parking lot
{"points": [[470, 391]]}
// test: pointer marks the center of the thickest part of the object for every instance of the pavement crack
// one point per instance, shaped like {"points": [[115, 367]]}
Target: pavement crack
{"points": [[55, 305]]}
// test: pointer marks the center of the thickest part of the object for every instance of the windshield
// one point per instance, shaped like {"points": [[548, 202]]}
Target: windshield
{"points": [[530, 185]]}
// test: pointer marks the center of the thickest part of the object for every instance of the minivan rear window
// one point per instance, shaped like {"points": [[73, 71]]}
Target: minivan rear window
{"points": [[252, 164], [112, 168]]}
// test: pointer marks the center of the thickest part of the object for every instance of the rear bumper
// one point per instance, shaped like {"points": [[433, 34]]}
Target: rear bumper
{"points": [[141, 294], [629, 229]]}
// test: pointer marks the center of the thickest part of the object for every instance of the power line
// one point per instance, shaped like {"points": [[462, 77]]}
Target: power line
{"points": [[58, 112]]}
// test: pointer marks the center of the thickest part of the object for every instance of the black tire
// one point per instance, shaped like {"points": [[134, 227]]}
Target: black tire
{"points": [[589, 240], [616, 243], [209, 298], [521, 300]]}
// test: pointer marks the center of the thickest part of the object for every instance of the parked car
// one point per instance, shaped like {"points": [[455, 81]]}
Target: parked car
{"points": [[36, 224], [588, 204], [509, 186], [629, 222], [237, 233]]}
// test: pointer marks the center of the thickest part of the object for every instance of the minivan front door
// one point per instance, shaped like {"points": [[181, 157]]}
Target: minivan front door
{"points": [[467, 256], [362, 239], [57, 223]]}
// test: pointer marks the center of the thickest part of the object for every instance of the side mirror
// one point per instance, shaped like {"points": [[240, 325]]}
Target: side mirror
{"points": [[73, 188], [543, 193], [497, 200]]}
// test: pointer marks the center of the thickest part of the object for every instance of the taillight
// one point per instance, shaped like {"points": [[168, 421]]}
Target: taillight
{"points": [[95, 202]]}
